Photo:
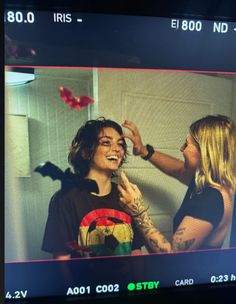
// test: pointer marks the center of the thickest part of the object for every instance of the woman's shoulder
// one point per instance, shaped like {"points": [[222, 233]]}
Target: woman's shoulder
{"points": [[212, 193], [61, 197], [207, 198], [207, 205], [222, 193]]}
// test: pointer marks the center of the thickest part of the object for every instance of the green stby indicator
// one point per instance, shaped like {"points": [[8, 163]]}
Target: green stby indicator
{"points": [[143, 286]]}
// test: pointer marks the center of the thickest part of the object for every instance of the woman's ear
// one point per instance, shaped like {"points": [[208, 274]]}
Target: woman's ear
{"points": [[85, 154]]}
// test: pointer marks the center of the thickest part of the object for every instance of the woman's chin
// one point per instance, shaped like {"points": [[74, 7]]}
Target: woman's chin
{"points": [[114, 166], [114, 169]]}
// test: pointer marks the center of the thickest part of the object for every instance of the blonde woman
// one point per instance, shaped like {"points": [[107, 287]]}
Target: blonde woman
{"points": [[209, 170]]}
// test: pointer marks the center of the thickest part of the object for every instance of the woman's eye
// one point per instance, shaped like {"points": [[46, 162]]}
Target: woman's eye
{"points": [[122, 145], [105, 143], [108, 143]]}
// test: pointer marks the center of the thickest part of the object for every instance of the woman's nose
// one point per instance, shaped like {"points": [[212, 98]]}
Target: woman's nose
{"points": [[115, 147]]}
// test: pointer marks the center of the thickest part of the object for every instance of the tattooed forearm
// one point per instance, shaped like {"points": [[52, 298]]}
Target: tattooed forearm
{"points": [[156, 241], [134, 207], [137, 207], [161, 244], [180, 245], [180, 231]]}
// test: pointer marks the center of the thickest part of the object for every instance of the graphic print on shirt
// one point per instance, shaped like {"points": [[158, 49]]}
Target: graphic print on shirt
{"points": [[106, 232]]}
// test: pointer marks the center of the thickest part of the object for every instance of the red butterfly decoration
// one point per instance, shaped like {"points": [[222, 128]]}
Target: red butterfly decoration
{"points": [[74, 101]]}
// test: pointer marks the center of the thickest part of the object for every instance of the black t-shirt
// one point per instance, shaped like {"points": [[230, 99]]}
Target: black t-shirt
{"points": [[82, 224], [207, 205]]}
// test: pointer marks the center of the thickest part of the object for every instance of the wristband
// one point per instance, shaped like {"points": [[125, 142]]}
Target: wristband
{"points": [[150, 152]]}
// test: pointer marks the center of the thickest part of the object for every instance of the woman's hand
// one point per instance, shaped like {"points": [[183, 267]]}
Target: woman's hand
{"points": [[130, 197], [135, 137]]}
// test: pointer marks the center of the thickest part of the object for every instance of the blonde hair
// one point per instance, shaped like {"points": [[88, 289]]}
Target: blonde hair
{"points": [[216, 138]]}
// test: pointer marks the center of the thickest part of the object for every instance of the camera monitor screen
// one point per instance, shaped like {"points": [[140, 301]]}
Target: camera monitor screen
{"points": [[120, 146]]}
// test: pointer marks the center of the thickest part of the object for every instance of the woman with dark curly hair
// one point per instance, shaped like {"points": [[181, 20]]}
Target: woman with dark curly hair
{"points": [[83, 223]]}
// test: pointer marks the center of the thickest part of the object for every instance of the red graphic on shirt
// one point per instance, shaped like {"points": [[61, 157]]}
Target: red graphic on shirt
{"points": [[104, 217], [106, 231]]}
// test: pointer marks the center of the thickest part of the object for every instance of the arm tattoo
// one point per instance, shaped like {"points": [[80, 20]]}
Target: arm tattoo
{"points": [[156, 241], [180, 231], [137, 206], [158, 244], [179, 245]]}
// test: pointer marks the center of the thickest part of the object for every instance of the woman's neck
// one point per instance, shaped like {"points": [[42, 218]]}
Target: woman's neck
{"points": [[103, 181]]}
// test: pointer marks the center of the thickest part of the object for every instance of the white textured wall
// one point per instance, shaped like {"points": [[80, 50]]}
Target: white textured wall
{"points": [[52, 125]]}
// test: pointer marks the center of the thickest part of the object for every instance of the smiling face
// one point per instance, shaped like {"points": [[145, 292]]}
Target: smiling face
{"points": [[191, 153], [109, 152]]}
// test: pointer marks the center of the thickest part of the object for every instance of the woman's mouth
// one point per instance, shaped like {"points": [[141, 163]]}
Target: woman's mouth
{"points": [[113, 158]]}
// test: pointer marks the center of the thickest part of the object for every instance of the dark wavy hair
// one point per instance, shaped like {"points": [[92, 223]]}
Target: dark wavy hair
{"points": [[85, 142]]}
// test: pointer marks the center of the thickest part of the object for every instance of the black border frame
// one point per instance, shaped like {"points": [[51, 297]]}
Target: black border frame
{"points": [[204, 9]]}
